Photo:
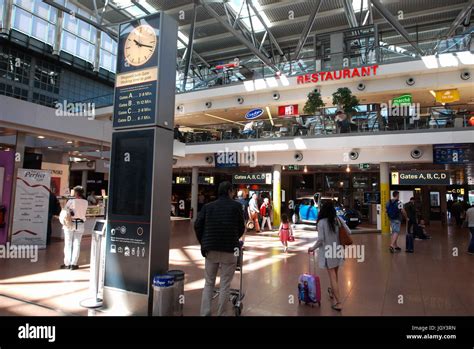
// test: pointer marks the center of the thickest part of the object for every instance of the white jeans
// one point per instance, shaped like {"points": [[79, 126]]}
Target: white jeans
{"points": [[264, 220], [72, 244], [227, 262]]}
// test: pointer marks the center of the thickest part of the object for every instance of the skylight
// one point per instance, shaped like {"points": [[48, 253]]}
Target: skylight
{"points": [[245, 16], [357, 3]]}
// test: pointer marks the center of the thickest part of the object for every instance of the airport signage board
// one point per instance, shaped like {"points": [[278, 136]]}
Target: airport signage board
{"points": [[447, 96], [206, 180], [252, 178], [461, 153], [420, 178], [342, 74]]}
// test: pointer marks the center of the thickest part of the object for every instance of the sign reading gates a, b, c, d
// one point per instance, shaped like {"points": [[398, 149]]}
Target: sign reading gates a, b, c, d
{"points": [[420, 178], [252, 178]]}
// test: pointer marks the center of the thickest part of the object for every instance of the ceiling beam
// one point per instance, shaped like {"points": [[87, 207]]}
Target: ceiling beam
{"points": [[307, 29], [460, 18], [385, 13], [238, 36], [270, 35]]}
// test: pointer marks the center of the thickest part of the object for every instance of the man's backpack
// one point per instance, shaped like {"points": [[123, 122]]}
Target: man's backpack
{"points": [[393, 211]]}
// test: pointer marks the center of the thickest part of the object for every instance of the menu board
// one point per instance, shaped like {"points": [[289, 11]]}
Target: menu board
{"points": [[30, 219]]}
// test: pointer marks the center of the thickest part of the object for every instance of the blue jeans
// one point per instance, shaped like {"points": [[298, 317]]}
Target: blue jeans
{"points": [[471, 245]]}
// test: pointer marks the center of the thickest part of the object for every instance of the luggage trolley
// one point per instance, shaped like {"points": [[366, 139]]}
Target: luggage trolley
{"points": [[236, 295]]}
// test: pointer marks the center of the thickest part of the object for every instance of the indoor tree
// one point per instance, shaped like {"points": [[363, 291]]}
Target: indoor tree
{"points": [[314, 103], [345, 100]]}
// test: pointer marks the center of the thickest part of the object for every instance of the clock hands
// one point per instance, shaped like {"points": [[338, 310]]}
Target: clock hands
{"points": [[141, 45]]}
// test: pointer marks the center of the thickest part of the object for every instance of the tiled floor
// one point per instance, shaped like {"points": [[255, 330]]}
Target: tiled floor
{"points": [[435, 280]]}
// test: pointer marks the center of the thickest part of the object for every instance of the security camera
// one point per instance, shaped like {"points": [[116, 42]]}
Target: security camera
{"points": [[209, 159], [276, 96], [240, 100], [410, 81], [354, 155], [317, 90], [416, 153], [361, 86], [180, 108], [465, 75], [298, 156], [208, 105]]}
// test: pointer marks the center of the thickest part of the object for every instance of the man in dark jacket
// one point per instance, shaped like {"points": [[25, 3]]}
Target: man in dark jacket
{"points": [[218, 228]]}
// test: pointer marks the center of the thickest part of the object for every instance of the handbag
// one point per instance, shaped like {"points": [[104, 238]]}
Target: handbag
{"points": [[291, 238], [250, 225], [344, 237]]}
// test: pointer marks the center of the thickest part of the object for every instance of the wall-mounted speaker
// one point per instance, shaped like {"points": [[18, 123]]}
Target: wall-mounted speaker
{"points": [[465, 75], [208, 105], [410, 81], [354, 155], [416, 153], [240, 100], [361, 86], [298, 156], [209, 159], [276, 96]]}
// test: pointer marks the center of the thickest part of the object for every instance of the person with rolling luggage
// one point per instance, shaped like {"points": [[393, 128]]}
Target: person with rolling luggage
{"points": [[328, 226]]}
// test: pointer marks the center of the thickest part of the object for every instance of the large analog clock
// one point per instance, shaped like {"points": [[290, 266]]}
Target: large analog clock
{"points": [[140, 45]]}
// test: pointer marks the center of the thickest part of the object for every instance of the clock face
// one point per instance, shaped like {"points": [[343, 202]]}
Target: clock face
{"points": [[140, 45]]}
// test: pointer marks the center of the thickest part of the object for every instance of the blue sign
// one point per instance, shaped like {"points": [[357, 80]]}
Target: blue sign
{"points": [[253, 114]]}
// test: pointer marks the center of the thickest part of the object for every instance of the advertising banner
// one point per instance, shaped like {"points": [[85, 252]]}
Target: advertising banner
{"points": [[59, 178], [30, 218], [453, 153]]}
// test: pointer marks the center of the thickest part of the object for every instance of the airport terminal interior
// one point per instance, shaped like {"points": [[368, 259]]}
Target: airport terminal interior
{"points": [[123, 121]]}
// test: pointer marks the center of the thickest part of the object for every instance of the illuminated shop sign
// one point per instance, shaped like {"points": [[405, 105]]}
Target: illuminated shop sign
{"points": [[252, 178], [253, 114], [420, 178], [447, 96], [348, 73], [183, 180], [288, 110], [402, 100], [206, 180]]}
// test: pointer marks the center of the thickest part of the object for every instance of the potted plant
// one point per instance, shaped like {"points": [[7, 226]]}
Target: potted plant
{"points": [[313, 107], [347, 102]]}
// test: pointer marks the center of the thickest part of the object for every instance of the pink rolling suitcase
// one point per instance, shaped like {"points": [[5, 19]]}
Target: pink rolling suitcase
{"points": [[309, 285]]}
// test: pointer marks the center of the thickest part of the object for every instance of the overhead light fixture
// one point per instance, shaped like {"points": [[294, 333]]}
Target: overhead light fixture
{"points": [[50, 147], [433, 93], [283, 168], [223, 119], [341, 184], [41, 137], [348, 169], [305, 169], [97, 150], [69, 142], [270, 116]]}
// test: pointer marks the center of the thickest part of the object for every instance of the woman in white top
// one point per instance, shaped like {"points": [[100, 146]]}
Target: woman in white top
{"points": [[72, 237]]}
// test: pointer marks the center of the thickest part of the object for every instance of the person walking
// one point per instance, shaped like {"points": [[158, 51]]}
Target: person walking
{"points": [[329, 256], [412, 224], [218, 227], [457, 211], [254, 211], [470, 225], [77, 208], [265, 211], [285, 232], [395, 212], [245, 208]]}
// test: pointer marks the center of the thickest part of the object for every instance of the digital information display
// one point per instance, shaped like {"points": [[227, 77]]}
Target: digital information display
{"points": [[453, 153]]}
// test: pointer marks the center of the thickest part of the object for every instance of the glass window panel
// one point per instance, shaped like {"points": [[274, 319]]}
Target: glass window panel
{"points": [[107, 42], [70, 23], [41, 9], [26, 4], [40, 29], [84, 30], [22, 21], [69, 42], [93, 35], [53, 15], [51, 33], [82, 49]]}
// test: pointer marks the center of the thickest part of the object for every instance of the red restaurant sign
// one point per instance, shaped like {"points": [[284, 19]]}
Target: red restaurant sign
{"points": [[287, 110], [338, 74]]}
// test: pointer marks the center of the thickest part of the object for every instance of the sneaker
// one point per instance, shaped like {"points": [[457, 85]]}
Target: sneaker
{"points": [[64, 266], [391, 249], [74, 267], [409, 251], [417, 238], [398, 249], [471, 253]]}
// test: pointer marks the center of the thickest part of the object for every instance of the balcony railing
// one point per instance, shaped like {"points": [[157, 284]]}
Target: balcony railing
{"points": [[436, 118]]}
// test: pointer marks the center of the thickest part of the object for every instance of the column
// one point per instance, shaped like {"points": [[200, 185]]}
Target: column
{"points": [[98, 43], [194, 192], [384, 195], [337, 48], [19, 156], [6, 17], [276, 195], [84, 180], [58, 34]]}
